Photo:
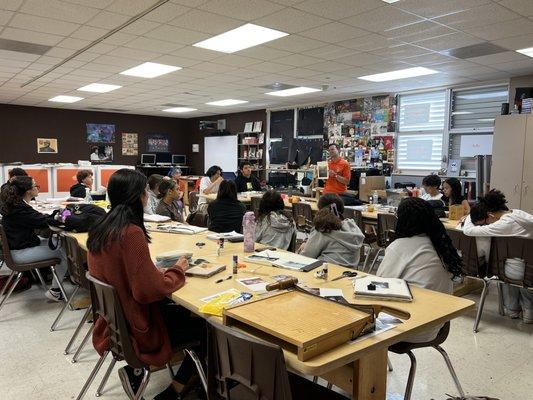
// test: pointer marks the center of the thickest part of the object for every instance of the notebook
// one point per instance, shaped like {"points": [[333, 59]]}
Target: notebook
{"points": [[382, 288], [284, 260], [155, 218], [205, 270], [181, 228], [226, 235], [173, 255]]}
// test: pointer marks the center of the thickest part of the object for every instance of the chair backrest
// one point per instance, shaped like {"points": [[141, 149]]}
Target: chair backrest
{"points": [[302, 214], [292, 244], [386, 229], [193, 201], [198, 218], [6, 253], [106, 305], [255, 201], [76, 261], [504, 248], [240, 366], [467, 248]]}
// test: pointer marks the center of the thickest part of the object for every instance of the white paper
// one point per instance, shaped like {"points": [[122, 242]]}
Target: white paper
{"points": [[328, 292], [214, 296], [254, 283]]}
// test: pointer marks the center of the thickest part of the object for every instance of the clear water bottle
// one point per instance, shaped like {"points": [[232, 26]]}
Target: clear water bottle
{"points": [[248, 230], [88, 197], [375, 197]]}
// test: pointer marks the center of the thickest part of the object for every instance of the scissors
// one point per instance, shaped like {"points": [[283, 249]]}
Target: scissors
{"points": [[345, 274]]}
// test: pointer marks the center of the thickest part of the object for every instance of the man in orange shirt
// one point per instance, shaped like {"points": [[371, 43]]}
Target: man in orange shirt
{"points": [[339, 173]]}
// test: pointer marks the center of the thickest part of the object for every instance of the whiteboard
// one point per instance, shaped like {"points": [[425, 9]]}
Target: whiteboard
{"points": [[475, 145], [221, 151]]}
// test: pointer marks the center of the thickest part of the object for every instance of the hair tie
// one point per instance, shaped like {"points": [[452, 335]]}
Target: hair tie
{"points": [[333, 208]]}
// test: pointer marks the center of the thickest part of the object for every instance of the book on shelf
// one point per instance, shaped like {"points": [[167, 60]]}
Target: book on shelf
{"points": [[248, 127], [261, 138], [258, 126], [382, 288]]}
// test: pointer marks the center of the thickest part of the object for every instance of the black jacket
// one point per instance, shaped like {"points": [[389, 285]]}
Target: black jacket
{"points": [[20, 225], [225, 215], [78, 190], [247, 184]]}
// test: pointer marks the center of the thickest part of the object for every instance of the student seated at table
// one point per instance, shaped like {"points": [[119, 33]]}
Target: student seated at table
{"points": [[422, 254], [154, 181], [209, 185], [453, 194], [274, 226], [85, 181], [170, 204], [431, 186], [333, 239], [226, 212], [175, 175], [119, 255], [20, 221], [246, 181], [490, 217]]}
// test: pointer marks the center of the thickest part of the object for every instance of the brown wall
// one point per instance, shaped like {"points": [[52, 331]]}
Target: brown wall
{"points": [[234, 124], [20, 127]]}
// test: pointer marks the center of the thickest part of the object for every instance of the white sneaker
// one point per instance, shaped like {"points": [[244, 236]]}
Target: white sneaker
{"points": [[54, 295]]}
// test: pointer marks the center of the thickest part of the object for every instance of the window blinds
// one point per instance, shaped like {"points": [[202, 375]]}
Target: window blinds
{"points": [[477, 108]]}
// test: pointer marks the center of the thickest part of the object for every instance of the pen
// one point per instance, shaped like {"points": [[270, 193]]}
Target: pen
{"points": [[223, 279]]}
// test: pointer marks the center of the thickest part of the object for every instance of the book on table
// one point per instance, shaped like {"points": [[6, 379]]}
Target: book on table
{"points": [[155, 218], [226, 235], [205, 269], [284, 260], [178, 228], [382, 288]]}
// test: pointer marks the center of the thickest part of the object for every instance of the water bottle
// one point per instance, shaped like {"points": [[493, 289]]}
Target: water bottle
{"points": [[248, 229], [375, 197], [88, 197]]}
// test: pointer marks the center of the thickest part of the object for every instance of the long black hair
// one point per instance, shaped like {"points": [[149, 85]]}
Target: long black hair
{"points": [[13, 193], [125, 188], [227, 190], [271, 201], [417, 217], [456, 197], [213, 170], [492, 202]]}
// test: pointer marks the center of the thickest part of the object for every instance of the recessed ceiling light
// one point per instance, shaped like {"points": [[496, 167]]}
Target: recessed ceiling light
{"points": [[240, 38], [65, 99], [390, 1], [150, 70], [227, 102], [293, 92], [179, 109], [99, 88], [527, 52], [400, 74]]}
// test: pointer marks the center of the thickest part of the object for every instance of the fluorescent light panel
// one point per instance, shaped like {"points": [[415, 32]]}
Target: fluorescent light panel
{"points": [[399, 74], [99, 88], [390, 1], [293, 91], [150, 70], [527, 52], [243, 37], [65, 99], [227, 102], [179, 109]]}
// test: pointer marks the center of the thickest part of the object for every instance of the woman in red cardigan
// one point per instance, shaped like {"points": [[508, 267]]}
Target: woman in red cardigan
{"points": [[119, 255]]}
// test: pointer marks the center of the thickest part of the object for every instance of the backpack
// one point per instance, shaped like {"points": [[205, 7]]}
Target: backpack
{"points": [[80, 217]]}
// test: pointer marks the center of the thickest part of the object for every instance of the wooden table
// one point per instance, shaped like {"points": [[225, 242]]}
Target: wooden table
{"points": [[359, 368]]}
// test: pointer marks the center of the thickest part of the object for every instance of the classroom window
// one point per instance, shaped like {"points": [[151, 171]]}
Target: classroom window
{"points": [[421, 130], [475, 109]]}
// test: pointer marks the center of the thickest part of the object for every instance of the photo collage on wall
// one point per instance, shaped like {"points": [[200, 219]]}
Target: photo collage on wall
{"points": [[101, 138], [130, 144], [364, 129], [158, 143]]}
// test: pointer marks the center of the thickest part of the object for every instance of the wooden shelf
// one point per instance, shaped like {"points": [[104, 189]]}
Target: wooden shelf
{"points": [[248, 133], [257, 144], [250, 159]]}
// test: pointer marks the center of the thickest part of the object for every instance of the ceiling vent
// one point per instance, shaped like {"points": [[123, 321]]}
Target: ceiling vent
{"points": [[23, 47], [476, 50]]}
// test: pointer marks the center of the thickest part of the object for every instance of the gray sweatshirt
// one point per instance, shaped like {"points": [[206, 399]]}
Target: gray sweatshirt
{"points": [[275, 230], [338, 247]]}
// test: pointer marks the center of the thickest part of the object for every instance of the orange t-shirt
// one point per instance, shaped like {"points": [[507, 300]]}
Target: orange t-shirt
{"points": [[341, 167]]}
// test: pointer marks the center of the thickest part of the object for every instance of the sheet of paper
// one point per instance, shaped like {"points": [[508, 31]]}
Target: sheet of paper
{"points": [[329, 292], [214, 296], [255, 283]]}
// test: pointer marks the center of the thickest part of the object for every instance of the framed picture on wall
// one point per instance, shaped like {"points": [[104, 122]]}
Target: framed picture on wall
{"points": [[47, 146], [101, 153], [100, 133], [158, 143]]}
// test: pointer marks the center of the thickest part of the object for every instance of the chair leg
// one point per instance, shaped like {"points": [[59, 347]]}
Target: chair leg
{"points": [[58, 318], [60, 284], [143, 385], [452, 370], [329, 386], [83, 343], [380, 250], [486, 283], [170, 371], [91, 377], [43, 285], [10, 289], [77, 331], [11, 275], [389, 365], [500, 299], [315, 379], [105, 378], [199, 367], [411, 379]]}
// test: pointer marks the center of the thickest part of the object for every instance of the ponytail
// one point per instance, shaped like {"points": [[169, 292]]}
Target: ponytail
{"points": [[13, 193]]}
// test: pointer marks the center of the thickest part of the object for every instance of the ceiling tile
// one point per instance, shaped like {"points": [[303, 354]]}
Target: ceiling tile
{"points": [[71, 43], [196, 53], [360, 59], [245, 10], [453, 41], [299, 73], [236, 61], [418, 31], [176, 35], [328, 66], [166, 12], [400, 52], [156, 45], [119, 38], [295, 43], [291, 20], [210, 67], [330, 52], [89, 33], [333, 31], [101, 4], [108, 20], [264, 53], [478, 16], [30, 36], [382, 19], [139, 55], [59, 10], [428, 59], [514, 65], [270, 67], [140, 27], [368, 42], [5, 16], [11, 5], [298, 60], [523, 7], [203, 21], [516, 42], [129, 7], [45, 25], [432, 8], [338, 9], [502, 30], [499, 58]]}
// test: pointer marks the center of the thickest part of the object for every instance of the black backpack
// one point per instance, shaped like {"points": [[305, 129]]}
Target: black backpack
{"points": [[78, 217]]}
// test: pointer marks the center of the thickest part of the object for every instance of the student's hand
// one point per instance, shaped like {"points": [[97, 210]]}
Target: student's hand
{"points": [[183, 264], [301, 248], [220, 179], [332, 174]]}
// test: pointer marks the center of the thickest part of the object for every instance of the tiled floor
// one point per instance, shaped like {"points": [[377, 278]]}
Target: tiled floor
{"points": [[497, 361]]}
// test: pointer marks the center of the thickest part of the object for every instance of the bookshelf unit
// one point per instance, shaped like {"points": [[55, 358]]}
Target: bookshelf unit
{"points": [[251, 147]]}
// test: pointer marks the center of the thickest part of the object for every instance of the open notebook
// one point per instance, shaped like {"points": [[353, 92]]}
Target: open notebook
{"points": [[284, 260]]}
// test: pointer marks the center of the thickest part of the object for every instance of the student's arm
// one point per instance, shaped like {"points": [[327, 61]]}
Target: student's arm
{"points": [[344, 176], [161, 209], [148, 284], [208, 187], [34, 219], [498, 228], [466, 206], [311, 248], [241, 187]]}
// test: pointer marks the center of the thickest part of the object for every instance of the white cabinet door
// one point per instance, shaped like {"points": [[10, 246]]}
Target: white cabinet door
{"points": [[527, 177], [508, 156]]}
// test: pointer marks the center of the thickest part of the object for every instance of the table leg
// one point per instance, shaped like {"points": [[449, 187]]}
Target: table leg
{"points": [[370, 376]]}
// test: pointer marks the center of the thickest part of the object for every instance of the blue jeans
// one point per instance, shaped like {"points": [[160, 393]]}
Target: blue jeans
{"points": [[42, 252]]}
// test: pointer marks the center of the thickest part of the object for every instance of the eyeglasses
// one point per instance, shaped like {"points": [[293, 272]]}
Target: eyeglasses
{"points": [[35, 187]]}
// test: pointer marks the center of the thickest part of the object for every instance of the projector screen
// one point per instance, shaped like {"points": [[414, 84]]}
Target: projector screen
{"points": [[221, 151]]}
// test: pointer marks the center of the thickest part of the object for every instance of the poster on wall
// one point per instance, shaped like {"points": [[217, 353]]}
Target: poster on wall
{"points": [[45, 145], [158, 144], [101, 153], [130, 144], [100, 133]]}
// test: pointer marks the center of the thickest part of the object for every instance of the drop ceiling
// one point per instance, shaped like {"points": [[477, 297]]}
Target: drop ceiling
{"points": [[331, 43]]}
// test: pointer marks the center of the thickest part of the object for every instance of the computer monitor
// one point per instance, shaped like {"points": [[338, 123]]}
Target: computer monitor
{"points": [[179, 159], [148, 159]]}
